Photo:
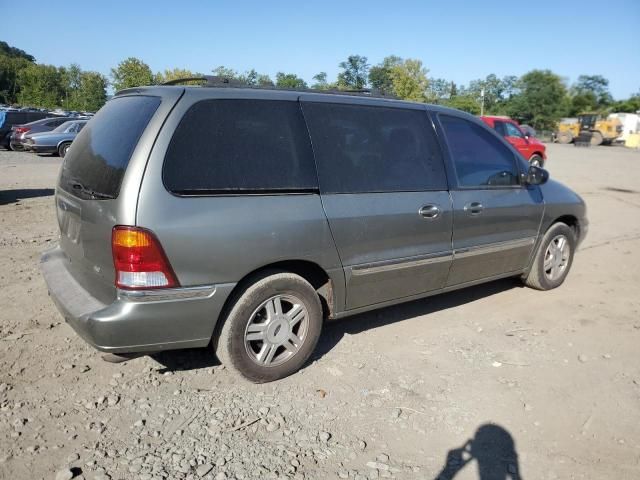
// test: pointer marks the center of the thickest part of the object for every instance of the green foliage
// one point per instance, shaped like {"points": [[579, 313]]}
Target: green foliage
{"points": [[225, 72], [175, 74], [354, 73], [380, 75], [289, 80], [321, 81], [630, 105], [497, 92], [41, 86], [13, 52], [589, 94], [255, 79], [92, 93], [466, 103], [409, 80], [540, 101], [440, 90], [131, 72], [10, 68]]}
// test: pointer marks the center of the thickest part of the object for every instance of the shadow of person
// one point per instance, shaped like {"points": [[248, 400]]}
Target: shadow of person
{"points": [[494, 451]]}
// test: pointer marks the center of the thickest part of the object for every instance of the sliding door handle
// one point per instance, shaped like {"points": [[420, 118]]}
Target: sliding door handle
{"points": [[429, 211], [474, 208]]}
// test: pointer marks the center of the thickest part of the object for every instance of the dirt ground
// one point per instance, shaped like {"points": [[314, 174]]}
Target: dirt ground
{"points": [[546, 385]]}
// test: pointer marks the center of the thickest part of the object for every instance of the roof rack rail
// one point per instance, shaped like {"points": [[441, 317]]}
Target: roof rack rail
{"points": [[219, 81]]}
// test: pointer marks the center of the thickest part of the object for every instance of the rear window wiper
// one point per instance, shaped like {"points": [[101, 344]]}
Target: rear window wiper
{"points": [[92, 193]]}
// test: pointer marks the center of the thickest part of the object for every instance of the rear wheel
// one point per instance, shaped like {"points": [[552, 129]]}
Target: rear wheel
{"points": [[553, 259], [272, 327], [564, 137], [63, 148], [596, 138], [536, 160]]}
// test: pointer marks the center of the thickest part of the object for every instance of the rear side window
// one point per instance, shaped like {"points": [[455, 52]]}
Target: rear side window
{"points": [[95, 165], [374, 149], [480, 158], [227, 146]]}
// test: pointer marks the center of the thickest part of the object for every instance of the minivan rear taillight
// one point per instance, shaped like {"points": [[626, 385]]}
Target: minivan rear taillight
{"points": [[139, 260]]}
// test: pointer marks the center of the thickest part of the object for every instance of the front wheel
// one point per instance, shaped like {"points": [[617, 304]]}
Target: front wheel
{"points": [[272, 327], [63, 148], [553, 259]]}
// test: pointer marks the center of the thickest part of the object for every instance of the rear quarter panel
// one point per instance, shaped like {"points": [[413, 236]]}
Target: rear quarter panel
{"points": [[219, 239]]}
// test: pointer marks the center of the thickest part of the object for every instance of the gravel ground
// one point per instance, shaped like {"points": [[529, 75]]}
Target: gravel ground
{"points": [[545, 384]]}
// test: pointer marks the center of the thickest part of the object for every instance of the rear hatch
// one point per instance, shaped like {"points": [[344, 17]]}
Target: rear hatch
{"points": [[96, 186]]}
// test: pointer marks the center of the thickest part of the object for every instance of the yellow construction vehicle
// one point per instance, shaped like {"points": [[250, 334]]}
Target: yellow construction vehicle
{"points": [[603, 130]]}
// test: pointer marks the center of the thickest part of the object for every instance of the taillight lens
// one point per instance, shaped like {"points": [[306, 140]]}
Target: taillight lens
{"points": [[139, 260], [21, 130]]}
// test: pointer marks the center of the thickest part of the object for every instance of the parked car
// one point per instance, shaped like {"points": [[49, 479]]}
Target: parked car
{"points": [[529, 147], [56, 141], [18, 132], [10, 118], [196, 216]]}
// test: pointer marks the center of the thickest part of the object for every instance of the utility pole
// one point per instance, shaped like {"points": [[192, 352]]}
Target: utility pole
{"points": [[482, 105]]}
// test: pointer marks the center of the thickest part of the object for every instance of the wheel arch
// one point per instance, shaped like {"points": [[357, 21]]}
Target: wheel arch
{"points": [[313, 273], [61, 142], [570, 220]]}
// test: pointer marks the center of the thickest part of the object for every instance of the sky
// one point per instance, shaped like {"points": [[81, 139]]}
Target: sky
{"points": [[458, 40]]}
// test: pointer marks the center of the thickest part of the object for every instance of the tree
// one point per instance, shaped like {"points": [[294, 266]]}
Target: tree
{"points": [[354, 73], [380, 75], [175, 74], [409, 80], [225, 72], [289, 80], [93, 91], [540, 101], [321, 81], [466, 103], [12, 61], [253, 78], [41, 86], [497, 91], [630, 105], [596, 86], [440, 90], [131, 72], [13, 52]]}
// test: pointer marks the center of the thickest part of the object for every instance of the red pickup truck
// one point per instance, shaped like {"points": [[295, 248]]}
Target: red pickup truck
{"points": [[529, 147]]}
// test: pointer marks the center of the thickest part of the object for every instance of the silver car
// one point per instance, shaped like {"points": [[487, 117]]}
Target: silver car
{"points": [[242, 219], [56, 141]]}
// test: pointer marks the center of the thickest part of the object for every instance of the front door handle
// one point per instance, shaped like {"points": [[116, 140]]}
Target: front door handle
{"points": [[474, 208], [429, 211]]}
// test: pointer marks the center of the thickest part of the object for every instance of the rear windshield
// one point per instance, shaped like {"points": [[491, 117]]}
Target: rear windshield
{"points": [[96, 163]]}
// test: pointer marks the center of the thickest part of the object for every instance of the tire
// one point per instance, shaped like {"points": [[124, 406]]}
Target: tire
{"points": [[63, 148], [255, 339], [536, 160], [551, 264], [596, 138], [564, 137]]}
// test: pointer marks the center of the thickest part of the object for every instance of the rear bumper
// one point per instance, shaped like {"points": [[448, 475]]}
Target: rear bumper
{"points": [[141, 321]]}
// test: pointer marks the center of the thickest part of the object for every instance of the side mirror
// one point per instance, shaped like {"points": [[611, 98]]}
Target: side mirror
{"points": [[536, 176]]}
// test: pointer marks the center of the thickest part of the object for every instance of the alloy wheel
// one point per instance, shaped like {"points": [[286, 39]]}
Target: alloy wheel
{"points": [[276, 330], [556, 257]]}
